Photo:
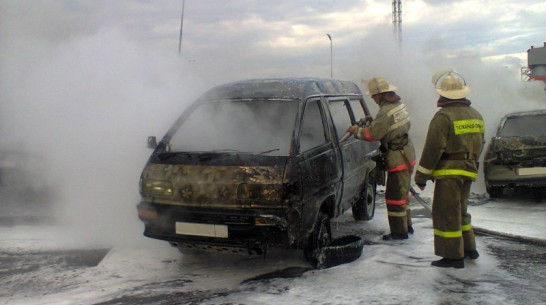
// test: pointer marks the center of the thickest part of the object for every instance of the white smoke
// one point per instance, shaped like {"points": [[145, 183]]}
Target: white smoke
{"points": [[86, 93], [87, 104], [496, 87]]}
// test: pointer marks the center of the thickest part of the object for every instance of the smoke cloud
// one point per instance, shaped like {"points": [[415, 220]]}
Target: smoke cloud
{"points": [[496, 87], [86, 104], [85, 94]]}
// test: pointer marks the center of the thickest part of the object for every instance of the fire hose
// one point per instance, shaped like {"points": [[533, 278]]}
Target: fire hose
{"points": [[428, 206], [416, 195], [483, 231], [345, 137], [420, 200], [374, 153], [360, 123]]}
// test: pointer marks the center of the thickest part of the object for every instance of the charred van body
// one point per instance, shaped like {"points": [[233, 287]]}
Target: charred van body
{"points": [[259, 163], [516, 156]]}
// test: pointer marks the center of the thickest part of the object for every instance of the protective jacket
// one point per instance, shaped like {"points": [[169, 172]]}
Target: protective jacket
{"points": [[454, 143], [391, 127]]}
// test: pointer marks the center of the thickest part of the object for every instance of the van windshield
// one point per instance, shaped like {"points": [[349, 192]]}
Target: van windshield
{"points": [[247, 126]]}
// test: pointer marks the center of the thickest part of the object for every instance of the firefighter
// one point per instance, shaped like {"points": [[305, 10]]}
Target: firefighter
{"points": [[450, 159], [391, 127]]}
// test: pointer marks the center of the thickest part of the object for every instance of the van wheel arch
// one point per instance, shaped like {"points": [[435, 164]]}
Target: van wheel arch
{"points": [[320, 237]]}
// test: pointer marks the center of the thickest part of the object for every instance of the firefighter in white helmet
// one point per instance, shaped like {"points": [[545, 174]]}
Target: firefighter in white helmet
{"points": [[450, 158], [391, 127]]}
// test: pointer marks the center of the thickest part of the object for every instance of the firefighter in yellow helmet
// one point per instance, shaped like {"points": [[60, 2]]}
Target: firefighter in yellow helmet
{"points": [[450, 156], [391, 127]]}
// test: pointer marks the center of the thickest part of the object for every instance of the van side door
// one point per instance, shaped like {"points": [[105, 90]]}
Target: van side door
{"points": [[344, 112], [318, 161]]}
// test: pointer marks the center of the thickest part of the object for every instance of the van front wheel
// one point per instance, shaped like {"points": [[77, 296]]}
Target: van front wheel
{"points": [[364, 207], [320, 238]]}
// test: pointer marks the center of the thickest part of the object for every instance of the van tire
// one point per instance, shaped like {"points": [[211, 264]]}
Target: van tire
{"points": [[364, 207], [320, 238], [343, 250]]}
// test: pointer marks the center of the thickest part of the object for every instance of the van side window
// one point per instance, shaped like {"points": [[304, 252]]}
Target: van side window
{"points": [[312, 129], [340, 116], [358, 111]]}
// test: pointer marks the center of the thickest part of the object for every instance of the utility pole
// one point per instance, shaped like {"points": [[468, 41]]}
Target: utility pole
{"points": [[181, 27], [397, 18], [331, 61]]}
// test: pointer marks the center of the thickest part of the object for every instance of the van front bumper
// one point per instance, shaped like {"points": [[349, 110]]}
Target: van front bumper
{"points": [[214, 229]]}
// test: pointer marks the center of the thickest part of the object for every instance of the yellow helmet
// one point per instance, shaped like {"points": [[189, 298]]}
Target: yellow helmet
{"points": [[379, 85], [452, 84]]}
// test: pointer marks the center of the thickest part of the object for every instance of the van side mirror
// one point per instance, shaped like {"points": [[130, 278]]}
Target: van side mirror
{"points": [[152, 142]]}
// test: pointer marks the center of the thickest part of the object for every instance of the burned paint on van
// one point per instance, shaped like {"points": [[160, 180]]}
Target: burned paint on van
{"points": [[216, 186]]}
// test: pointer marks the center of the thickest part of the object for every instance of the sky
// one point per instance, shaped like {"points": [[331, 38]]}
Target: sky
{"points": [[85, 82], [283, 38]]}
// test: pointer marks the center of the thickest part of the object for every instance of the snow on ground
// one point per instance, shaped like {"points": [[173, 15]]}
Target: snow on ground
{"points": [[511, 216], [387, 272], [390, 273], [515, 213]]}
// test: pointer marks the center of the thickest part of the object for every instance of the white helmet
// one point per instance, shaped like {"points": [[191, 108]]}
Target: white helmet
{"points": [[452, 84], [379, 85]]}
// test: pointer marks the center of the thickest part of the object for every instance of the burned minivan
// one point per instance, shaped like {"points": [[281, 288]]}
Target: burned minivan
{"points": [[516, 155], [260, 163]]}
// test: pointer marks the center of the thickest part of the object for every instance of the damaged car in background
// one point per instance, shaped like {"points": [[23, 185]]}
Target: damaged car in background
{"points": [[516, 155], [25, 187], [23, 174], [260, 163]]}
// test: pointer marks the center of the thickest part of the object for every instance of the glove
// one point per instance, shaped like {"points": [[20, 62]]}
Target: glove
{"points": [[352, 129], [365, 121]]}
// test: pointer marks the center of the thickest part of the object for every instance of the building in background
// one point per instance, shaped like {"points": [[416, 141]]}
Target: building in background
{"points": [[536, 61]]}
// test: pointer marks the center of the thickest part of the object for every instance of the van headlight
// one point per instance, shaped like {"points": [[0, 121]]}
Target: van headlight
{"points": [[156, 187]]}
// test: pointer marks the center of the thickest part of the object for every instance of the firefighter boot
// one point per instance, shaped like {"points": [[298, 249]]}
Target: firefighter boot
{"points": [[393, 236], [449, 263], [471, 254]]}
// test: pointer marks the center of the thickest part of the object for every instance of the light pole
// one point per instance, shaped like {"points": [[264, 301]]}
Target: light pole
{"points": [[181, 27], [331, 62]]}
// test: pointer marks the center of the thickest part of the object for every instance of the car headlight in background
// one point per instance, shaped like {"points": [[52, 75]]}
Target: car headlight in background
{"points": [[156, 187], [506, 155]]}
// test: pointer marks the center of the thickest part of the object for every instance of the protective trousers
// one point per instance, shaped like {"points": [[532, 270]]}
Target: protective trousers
{"points": [[396, 197], [453, 234]]}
